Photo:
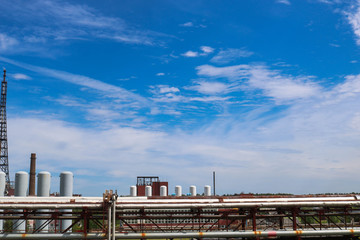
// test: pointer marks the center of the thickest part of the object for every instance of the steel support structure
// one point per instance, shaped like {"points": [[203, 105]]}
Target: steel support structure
{"points": [[4, 163], [113, 218]]}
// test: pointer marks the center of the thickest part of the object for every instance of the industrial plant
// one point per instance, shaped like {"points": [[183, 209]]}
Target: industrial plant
{"points": [[152, 211]]}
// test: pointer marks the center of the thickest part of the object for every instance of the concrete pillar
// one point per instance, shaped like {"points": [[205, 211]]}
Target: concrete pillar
{"points": [[43, 190], [163, 191], [66, 190], [21, 189]]}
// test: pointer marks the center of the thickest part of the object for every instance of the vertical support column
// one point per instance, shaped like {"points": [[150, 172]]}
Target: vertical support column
{"points": [[43, 190], [109, 222], [2, 193], [294, 214], [114, 198], [66, 190], [253, 217], [21, 189]]}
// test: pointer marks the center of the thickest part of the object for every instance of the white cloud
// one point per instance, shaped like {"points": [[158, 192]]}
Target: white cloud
{"points": [[207, 49], [287, 2], [160, 74], [272, 83], [281, 87], [210, 88], [46, 21], [187, 24], [190, 54], [231, 72], [353, 17], [7, 43], [20, 76], [350, 87], [229, 55], [108, 89], [167, 89]]}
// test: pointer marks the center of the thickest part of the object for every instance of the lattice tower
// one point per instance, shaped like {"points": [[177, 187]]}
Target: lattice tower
{"points": [[4, 162]]}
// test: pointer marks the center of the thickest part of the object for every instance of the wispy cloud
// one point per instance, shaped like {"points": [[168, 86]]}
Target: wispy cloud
{"points": [[286, 2], [211, 88], [353, 16], [271, 82], [204, 51], [230, 55], [20, 76], [192, 25], [47, 21], [187, 24], [7, 43], [108, 89], [190, 54]]}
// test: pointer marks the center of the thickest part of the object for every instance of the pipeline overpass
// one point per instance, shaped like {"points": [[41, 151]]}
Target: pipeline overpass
{"points": [[113, 217]]}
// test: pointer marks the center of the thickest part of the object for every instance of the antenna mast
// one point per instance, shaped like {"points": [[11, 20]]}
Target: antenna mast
{"points": [[4, 163]]}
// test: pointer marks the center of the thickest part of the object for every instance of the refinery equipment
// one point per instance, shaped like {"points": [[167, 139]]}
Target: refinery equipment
{"points": [[153, 182], [4, 164]]}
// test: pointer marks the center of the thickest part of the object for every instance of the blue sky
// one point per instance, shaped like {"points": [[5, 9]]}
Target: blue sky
{"points": [[264, 92]]}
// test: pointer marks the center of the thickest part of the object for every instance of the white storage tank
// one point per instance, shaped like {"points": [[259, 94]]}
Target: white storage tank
{"points": [[133, 191], [66, 190], [163, 191], [178, 191], [21, 189], [2, 193], [43, 190], [148, 191], [207, 190], [192, 190]]}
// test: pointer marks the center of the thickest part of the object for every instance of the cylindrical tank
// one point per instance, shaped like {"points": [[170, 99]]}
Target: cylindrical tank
{"points": [[21, 184], [163, 191], [21, 188], [43, 190], [133, 191], [148, 191], [66, 190], [178, 191], [2, 183], [2, 193], [66, 184], [192, 190], [207, 190]]}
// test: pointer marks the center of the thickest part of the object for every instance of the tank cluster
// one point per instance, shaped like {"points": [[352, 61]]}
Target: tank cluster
{"points": [[43, 190], [163, 191]]}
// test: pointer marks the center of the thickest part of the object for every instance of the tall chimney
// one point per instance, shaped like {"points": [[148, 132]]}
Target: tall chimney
{"points": [[32, 175]]}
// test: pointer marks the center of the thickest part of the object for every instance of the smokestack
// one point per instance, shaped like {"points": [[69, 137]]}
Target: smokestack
{"points": [[32, 175]]}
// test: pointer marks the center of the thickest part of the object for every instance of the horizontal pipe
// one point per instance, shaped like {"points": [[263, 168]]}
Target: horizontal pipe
{"points": [[177, 206], [218, 234]]}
